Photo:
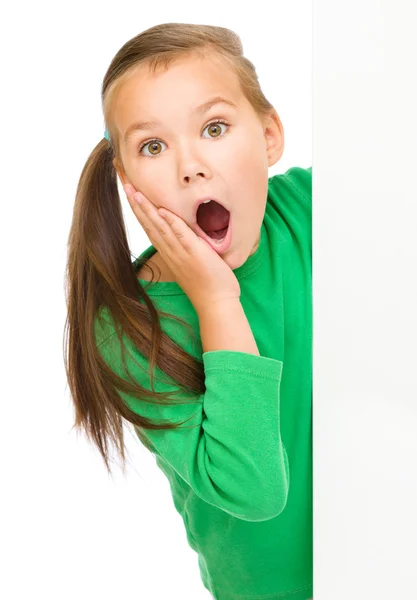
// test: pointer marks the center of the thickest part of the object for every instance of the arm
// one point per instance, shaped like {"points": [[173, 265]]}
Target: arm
{"points": [[230, 450], [224, 326]]}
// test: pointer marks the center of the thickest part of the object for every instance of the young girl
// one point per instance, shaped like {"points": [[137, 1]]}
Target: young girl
{"points": [[211, 363]]}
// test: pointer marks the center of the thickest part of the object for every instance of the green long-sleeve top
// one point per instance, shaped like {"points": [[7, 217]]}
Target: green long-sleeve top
{"points": [[241, 476]]}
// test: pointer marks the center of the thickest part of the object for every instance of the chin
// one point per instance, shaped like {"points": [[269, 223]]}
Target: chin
{"points": [[234, 261]]}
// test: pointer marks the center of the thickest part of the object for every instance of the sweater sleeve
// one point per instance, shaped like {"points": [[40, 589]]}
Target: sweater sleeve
{"points": [[230, 451]]}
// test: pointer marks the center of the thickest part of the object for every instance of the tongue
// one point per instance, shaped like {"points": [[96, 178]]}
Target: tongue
{"points": [[213, 218]]}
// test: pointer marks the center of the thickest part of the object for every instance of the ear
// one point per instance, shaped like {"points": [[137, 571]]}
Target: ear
{"points": [[120, 172], [274, 137]]}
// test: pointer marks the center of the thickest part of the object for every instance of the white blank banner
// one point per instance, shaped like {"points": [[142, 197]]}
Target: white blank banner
{"points": [[365, 299]]}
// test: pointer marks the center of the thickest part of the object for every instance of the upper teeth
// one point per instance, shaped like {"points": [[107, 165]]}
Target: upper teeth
{"points": [[205, 201]]}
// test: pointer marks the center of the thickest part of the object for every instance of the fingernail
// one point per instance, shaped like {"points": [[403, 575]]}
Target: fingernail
{"points": [[126, 189], [138, 198]]}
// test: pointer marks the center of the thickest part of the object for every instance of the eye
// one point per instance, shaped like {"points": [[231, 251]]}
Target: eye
{"points": [[213, 126], [153, 145]]}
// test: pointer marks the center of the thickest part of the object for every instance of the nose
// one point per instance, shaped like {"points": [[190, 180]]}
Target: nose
{"points": [[191, 164], [189, 178]]}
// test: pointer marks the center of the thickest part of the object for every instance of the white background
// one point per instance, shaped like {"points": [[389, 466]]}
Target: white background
{"points": [[342, 78]]}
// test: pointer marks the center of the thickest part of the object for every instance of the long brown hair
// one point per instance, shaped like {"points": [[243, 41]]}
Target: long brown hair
{"points": [[100, 275]]}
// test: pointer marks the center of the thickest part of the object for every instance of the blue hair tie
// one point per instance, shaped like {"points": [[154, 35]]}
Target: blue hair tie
{"points": [[106, 135]]}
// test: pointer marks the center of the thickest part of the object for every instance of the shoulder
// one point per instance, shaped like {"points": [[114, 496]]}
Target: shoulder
{"points": [[296, 180], [289, 205]]}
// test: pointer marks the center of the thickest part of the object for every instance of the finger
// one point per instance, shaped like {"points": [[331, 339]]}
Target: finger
{"points": [[169, 229], [157, 229], [141, 215], [180, 230], [130, 191]]}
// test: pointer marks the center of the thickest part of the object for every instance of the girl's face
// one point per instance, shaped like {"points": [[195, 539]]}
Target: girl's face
{"points": [[187, 158]]}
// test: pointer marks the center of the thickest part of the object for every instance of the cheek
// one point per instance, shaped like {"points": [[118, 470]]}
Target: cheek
{"points": [[250, 191], [234, 160], [249, 151], [251, 171], [153, 190], [162, 198]]}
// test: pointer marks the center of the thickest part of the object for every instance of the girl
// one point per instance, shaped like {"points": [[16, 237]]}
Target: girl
{"points": [[212, 362]]}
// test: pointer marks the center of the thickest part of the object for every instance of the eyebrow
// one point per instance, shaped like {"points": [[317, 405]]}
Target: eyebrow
{"points": [[200, 110]]}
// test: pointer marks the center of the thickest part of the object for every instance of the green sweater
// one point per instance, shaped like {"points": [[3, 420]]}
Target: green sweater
{"points": [[241, 478]]}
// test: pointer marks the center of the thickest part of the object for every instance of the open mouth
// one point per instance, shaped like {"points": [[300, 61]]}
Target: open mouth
{"points": [[213, 218], [217, 235]]}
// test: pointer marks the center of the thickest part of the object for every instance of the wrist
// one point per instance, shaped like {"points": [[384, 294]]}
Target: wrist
{"points": [[213, 307]]}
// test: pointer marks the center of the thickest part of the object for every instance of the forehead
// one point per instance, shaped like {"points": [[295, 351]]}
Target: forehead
{"points": [[185, 84]]}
